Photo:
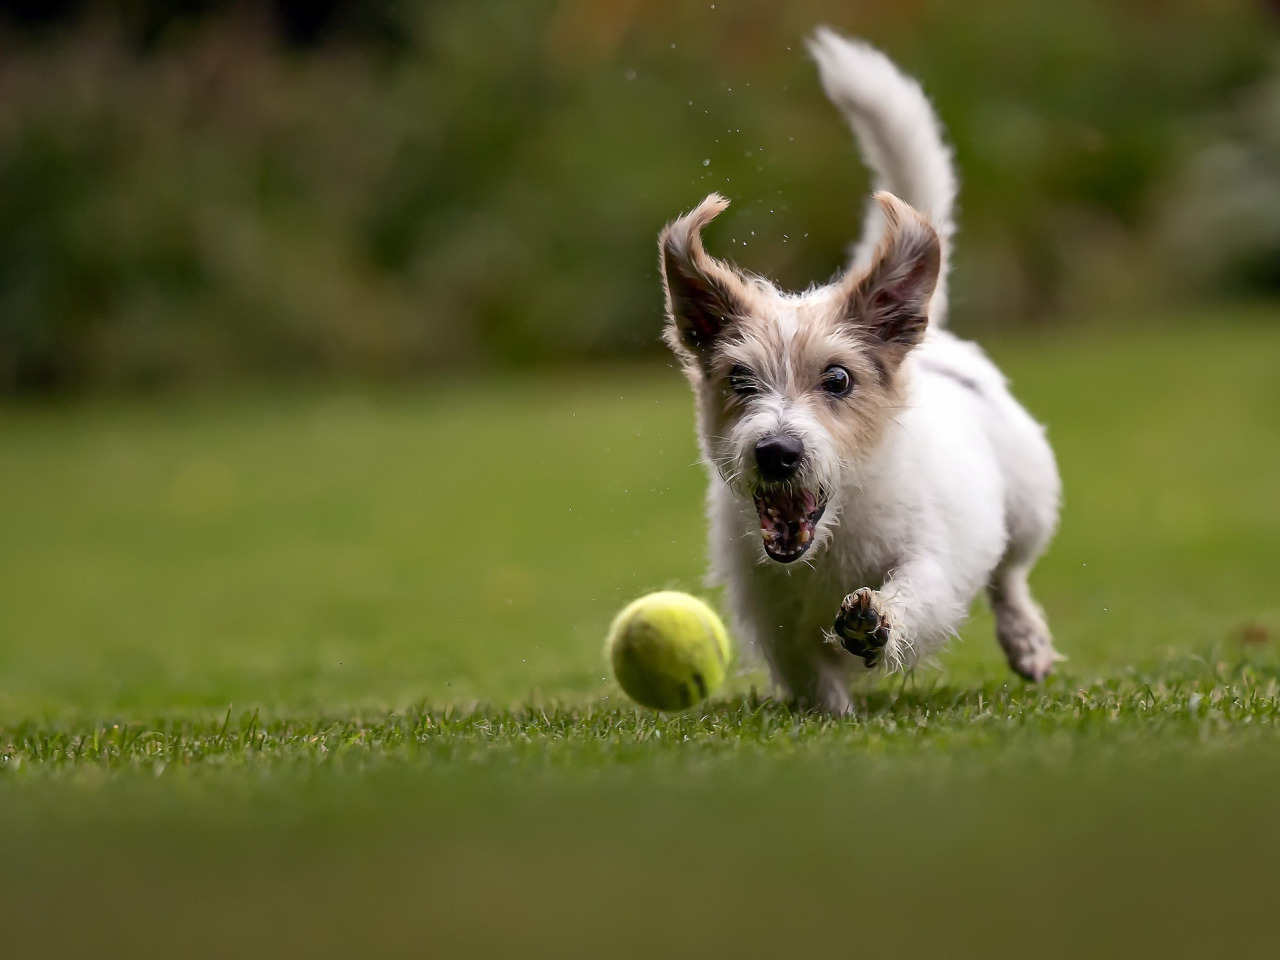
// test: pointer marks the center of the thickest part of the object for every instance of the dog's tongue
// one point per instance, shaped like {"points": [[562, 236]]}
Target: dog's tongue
{"points": [[786, 521]]}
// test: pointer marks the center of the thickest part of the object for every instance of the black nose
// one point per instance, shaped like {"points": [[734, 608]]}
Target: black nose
{"points": [[779, 456]]}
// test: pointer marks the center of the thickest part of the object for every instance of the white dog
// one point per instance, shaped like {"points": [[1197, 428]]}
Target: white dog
{"points": [[870, 472]]}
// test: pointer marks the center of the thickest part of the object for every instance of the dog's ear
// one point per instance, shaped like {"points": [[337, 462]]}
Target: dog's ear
{"points": [[890, 302], [704, 295]]}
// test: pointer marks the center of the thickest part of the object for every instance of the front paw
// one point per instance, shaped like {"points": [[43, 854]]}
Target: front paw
{"points": [[862, 626]]}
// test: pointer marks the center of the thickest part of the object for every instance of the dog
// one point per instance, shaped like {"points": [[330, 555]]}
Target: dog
{"points": [[870, 473]]}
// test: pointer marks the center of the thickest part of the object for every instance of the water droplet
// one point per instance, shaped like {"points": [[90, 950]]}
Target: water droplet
{"points": [[706, 162]]}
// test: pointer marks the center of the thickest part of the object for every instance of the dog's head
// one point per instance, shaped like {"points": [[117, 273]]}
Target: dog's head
{"points": [[794, 390]]}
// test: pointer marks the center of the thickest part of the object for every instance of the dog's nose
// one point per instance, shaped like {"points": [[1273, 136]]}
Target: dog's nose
{"points": [[778, 456]]}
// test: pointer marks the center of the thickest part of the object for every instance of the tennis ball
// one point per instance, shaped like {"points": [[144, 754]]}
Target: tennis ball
{"points": [[669, 650]]}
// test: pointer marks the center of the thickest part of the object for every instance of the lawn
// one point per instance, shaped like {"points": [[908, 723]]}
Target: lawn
{"points": [[319, 672]]}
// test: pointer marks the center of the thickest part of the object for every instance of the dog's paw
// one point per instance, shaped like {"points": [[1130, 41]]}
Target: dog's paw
{"points": [[1037, 661], [1025, 639], [863, 626]]}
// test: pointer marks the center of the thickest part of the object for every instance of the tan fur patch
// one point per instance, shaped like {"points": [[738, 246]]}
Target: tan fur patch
{"points": [[790, 359]]}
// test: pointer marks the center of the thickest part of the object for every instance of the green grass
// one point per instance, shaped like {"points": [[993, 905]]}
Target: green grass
{"points": [[330, 663], [1161, 711]]}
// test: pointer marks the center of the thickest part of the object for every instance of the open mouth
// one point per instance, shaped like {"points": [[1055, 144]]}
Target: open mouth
{"points": [[788, 519]]}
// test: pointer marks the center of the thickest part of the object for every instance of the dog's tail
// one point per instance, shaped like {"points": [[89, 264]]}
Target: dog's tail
{"points": [[900, 138]]}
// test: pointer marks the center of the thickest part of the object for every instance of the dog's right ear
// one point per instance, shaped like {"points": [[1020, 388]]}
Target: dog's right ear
{"points": [[704, 295]]}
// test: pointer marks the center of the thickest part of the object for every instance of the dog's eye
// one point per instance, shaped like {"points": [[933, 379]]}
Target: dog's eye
{"points": [[837, 381], [743, 382]]}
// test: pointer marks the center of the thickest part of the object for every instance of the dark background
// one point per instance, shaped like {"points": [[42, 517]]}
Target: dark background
{"points": [[203, 192]]}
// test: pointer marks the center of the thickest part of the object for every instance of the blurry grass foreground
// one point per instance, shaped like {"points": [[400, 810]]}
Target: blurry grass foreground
{"points": [[980, 820]]}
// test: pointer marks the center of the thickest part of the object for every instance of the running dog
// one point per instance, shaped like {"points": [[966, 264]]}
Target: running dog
{"points": [[870, 473]]}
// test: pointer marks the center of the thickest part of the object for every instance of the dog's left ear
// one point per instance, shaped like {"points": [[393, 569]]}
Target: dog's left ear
{"points": [[890, 302]]}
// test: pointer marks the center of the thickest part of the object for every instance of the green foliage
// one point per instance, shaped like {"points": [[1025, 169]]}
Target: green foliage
{"points": [[487, 188], [1222, 213]]}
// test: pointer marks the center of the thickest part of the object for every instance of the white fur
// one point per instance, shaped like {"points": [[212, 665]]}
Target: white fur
{"points": [[961, 493]]}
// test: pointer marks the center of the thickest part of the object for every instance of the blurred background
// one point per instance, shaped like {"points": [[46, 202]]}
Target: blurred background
{"points": [[206, 191], [335, 427]]}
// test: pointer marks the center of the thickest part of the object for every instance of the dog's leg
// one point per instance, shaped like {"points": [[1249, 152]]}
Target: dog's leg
{"points": [[919, 603], [815, 677], [831, 690], [1020, 625]]}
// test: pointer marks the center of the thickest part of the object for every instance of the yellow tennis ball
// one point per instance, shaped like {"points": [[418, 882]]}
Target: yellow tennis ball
{"points": [[669, 650]]}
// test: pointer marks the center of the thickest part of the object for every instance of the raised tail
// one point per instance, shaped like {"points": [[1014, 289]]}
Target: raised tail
{"points": [[900, 138]]}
